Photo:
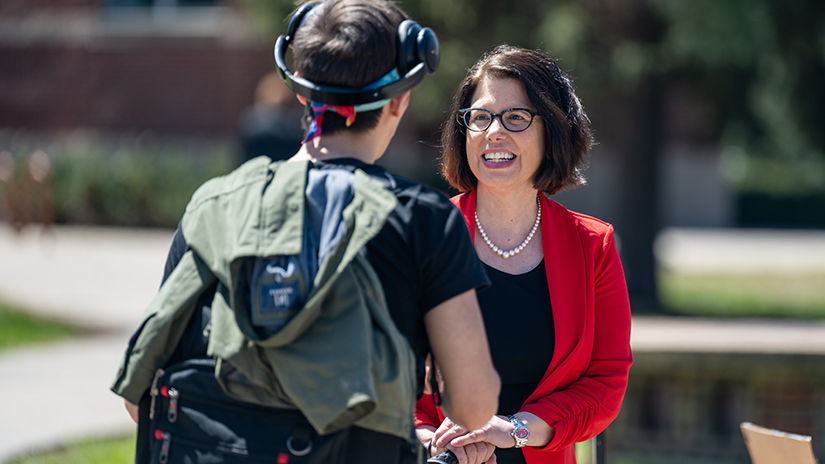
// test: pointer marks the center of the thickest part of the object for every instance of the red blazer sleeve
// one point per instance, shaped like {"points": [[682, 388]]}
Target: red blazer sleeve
{"points": [[580, 408], [426, 412]]}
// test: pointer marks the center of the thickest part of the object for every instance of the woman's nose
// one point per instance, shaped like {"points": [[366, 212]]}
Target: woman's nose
{"points": [[496, 129]]}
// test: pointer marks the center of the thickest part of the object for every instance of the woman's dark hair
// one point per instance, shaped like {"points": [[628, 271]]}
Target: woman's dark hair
{"points": [[347, 43], [567, 136]]}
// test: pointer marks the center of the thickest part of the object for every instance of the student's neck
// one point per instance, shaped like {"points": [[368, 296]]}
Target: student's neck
{"points": [[363, 146]]}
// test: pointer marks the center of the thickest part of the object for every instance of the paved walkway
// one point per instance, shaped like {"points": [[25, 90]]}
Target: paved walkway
{"points": [[98, 278], [103, 279]]}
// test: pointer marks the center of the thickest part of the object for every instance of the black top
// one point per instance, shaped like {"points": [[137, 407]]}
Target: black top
{"points": [[423, 255], [519, 322]]}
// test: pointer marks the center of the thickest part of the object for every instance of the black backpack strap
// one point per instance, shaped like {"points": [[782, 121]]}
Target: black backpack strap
{"points": [[144, 431]]}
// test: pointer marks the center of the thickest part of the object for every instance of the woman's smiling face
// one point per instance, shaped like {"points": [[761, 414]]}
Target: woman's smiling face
{"points": [[497, 157]]}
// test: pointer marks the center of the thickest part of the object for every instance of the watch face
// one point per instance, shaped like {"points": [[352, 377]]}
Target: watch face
{"points": [[521, 433]]}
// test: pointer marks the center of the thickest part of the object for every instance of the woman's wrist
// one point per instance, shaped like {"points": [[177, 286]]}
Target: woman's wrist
{"points": [[426, 435], [541, 434]]}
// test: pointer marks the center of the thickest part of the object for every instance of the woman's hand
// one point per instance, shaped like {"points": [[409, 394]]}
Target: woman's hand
{"points": [[475, 453], [496, 432], [425, 434], [446, 432], [472, 453]]}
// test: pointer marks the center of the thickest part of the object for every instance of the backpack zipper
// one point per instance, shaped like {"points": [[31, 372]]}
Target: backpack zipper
{"points": [[153, 391], [174, 394], [164, 448]]}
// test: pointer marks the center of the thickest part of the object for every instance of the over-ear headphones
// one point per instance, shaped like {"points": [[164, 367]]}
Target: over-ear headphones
{"points": [[418, 56]]}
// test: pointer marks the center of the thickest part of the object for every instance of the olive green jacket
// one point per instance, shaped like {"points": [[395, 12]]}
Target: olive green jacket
{"points": [[341, 360]]}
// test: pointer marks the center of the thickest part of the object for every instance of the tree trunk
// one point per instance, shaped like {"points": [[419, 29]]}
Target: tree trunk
{"points": [[637, 223]]}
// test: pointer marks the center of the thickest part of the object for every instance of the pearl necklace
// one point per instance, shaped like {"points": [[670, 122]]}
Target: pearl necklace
{"points": [[516, 250]]}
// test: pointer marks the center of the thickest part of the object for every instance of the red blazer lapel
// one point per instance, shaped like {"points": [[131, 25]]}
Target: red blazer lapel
{"points": [[466, 203], [564, 262]]}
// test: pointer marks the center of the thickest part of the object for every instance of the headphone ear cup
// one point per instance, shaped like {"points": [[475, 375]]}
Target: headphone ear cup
{"points": [[427, 49], [407, 37]]}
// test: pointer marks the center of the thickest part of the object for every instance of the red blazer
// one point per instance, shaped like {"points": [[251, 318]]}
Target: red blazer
{"points": [[583, 388]]}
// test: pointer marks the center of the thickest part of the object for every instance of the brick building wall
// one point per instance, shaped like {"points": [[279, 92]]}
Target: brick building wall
{"points": [[72, 66], [165, 87]]}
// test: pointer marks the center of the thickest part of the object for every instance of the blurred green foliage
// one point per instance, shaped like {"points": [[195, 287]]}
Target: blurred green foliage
{"points": [[140, 181], [744, 74], [132, 188]]}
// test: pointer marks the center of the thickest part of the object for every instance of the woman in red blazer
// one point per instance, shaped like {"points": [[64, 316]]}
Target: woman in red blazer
{"points": [[557, 314]]}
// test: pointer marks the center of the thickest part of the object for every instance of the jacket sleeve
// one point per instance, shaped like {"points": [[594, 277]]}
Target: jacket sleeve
{"points": [[586, 405], [426, 413], [162, 326]]}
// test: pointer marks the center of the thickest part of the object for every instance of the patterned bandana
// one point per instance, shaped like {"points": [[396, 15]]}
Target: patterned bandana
{"points": [[349, 112]]}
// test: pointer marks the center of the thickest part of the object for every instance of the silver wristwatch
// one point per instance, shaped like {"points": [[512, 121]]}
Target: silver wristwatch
{"points": [[520, 433]]}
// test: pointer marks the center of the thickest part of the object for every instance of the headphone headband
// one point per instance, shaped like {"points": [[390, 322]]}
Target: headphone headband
{"points": [[424, 61]]}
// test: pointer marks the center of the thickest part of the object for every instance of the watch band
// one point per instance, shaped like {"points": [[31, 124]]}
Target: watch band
{"points": [[520, 433]]}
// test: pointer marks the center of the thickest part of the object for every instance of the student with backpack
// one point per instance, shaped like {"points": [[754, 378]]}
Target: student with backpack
{"points": [[301, 297]]}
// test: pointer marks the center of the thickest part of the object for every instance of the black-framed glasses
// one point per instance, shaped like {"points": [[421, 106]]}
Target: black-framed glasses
{"points": [[513, 119]]}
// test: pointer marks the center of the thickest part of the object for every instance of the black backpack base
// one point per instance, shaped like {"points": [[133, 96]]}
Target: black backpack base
{"points": [[187, 418]]}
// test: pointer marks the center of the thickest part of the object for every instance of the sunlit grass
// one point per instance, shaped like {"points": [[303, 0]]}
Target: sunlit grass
{"points": [[584, 451], [800, 296], [19, 328], [94, 451]]}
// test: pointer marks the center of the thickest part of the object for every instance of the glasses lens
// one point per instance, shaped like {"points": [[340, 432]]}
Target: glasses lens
{"points": [[516, 120], [477, 120]]}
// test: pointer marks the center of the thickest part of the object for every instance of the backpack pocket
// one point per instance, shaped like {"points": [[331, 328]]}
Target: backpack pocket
{"points": [[194, 421]]}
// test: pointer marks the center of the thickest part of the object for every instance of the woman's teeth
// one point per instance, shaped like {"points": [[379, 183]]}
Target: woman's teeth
{"points": [[498, 157]]}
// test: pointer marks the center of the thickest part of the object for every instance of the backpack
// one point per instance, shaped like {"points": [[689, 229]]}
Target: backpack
{"points": [[300, 350]]}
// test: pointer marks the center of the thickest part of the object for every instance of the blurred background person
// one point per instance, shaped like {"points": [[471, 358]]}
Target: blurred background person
{"points": [[7, 180], [271, 126], [38, 175]]}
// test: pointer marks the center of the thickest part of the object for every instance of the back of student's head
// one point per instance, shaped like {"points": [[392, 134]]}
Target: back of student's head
{"points": [[347, 43]]}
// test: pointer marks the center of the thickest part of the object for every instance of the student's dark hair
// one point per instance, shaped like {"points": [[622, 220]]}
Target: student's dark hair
{"points": [[347, 43], [567, 135]]}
